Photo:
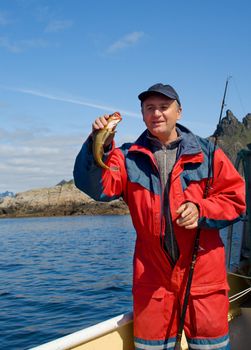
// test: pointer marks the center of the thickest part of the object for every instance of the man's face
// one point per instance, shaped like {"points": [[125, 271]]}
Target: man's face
{"points": [[160, 115]]}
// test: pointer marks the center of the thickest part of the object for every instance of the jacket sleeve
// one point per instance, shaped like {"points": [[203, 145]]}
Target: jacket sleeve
{"points": [[225, 203], [100, 184]]}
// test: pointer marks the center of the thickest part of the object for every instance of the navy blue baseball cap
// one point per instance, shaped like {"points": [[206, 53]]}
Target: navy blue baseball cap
{"points": [[166, 90]]}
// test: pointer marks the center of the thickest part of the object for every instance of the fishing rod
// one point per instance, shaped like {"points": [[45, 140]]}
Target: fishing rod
{"points": [[197, 236]]}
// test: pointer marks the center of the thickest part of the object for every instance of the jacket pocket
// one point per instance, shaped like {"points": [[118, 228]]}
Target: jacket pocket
{"points": [[210, 272], [205, 289], [152, 311], [208, 309]]}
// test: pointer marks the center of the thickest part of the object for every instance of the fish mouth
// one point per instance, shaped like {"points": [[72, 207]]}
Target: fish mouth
{"points": [[113, 124], [114, 119], [116, 116]]}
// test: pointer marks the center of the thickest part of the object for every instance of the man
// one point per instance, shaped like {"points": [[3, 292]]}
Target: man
{"points": [[162, 177]]}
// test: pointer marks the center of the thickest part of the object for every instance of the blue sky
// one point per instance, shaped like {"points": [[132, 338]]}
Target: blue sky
{"points": [[65, 62]]}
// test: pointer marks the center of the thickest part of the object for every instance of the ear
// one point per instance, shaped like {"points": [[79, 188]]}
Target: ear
{"points": [[179, 112], [142, 113]]}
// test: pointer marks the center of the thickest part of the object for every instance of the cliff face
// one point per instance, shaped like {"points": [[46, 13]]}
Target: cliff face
{"points": [[63, 199], [233, 135]]}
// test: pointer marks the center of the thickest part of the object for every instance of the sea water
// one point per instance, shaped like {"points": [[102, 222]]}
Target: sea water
{"points": [[61, 274]]}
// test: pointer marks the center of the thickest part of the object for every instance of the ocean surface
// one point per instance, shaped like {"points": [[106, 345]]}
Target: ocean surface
{"points": [[61, 274]]}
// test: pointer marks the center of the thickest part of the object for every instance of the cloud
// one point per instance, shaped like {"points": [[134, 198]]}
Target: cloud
{"points": [[22, 45], [27, 151], [47, 16], [40, 160], [72, 100], [124, 42], [4, 20], [55, 26], [6, 44]]}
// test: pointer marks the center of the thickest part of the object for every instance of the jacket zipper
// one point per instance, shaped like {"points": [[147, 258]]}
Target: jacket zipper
{"points": [[171, 224], [162, 218]]}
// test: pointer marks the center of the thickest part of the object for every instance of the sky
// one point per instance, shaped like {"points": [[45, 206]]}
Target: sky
{"points": [[65, 62]]}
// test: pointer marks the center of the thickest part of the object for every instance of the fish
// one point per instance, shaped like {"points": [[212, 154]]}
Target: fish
{"points": [[100, 137]]}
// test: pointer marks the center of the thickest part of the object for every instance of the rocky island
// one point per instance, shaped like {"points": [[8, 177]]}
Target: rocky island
{"points": [[60, 200], [65, 199]]}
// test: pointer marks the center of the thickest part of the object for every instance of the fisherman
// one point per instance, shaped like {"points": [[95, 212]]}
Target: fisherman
{"points": [[162, 178]]}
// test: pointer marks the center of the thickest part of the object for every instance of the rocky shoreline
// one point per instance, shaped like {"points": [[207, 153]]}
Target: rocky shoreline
{"points": [[60, 200]]}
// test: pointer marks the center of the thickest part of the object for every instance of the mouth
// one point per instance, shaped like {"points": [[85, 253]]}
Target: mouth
{"points": [[157, 123]]}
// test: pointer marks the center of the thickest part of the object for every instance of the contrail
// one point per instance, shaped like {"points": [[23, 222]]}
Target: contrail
{"points": [[70, 100]]}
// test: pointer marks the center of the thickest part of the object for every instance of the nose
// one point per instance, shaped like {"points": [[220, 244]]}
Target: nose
{"points": [[156, 112]]}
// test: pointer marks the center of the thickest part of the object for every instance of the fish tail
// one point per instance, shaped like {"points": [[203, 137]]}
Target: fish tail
{"points": [[103, 165]]}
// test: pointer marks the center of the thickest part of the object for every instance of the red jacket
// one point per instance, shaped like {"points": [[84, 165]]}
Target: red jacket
{"points": [[138, 182]]}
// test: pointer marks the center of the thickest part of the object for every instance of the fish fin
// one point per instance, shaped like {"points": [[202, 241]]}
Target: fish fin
{"points": [[114, 168]]}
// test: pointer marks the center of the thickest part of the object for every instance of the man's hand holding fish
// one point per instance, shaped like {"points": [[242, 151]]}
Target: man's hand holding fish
{"points": [[103, 131]]}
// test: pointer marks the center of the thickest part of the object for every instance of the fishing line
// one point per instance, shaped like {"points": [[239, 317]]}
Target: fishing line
{"points": [[239, 96]]}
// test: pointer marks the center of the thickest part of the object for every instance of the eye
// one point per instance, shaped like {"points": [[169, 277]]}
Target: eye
{"points": [[149, 108], [164, 107]]}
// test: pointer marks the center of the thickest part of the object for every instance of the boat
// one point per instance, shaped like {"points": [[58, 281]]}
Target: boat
{"points": [[117, 332]]}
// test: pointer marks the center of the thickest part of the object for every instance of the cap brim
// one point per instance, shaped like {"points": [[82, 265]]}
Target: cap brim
{"points": [[145, 94]]}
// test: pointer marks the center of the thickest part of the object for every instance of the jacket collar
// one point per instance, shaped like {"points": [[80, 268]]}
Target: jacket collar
{"points": [[189, 144]]}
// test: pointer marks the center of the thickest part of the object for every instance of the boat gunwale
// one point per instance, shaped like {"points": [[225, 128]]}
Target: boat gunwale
{"points": [[87, 334]]}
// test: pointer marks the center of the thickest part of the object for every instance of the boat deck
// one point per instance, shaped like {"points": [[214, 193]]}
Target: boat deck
{"points": [[240, 331]]}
